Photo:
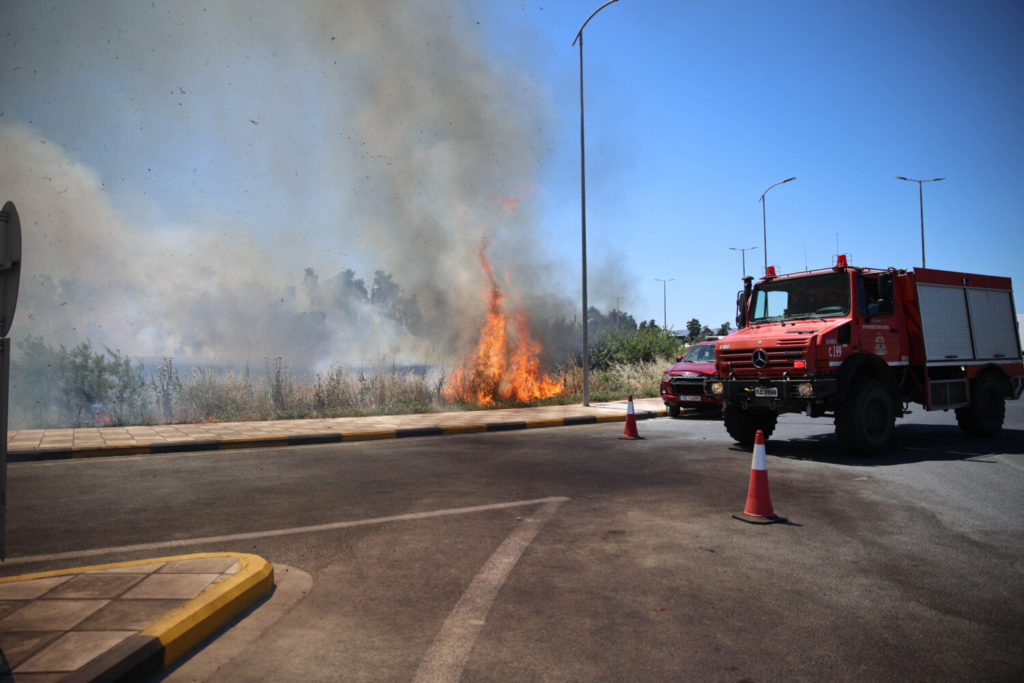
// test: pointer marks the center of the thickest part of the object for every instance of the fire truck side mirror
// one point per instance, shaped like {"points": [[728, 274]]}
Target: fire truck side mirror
{"points": [[886, 292], [742, 297]]}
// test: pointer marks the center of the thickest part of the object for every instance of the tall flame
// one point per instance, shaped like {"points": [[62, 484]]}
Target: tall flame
{"points": [[500, 367]]}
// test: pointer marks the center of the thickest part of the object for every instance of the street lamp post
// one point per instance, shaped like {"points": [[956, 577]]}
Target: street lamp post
{"points": [[920, 199], [664, 300], [583, 212], [743, 252], [764, 223]]}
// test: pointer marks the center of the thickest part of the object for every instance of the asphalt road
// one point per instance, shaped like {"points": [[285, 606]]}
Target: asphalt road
{"points": [[570, 554]]}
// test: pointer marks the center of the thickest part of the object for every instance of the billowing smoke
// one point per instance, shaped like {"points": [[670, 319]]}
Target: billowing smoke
{"points": [[227, 181]]}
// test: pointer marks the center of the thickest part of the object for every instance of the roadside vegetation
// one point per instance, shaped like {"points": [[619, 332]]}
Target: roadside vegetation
{"points": [[54, 387]]}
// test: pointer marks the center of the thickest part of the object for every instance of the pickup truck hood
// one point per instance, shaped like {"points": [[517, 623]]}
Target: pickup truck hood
{"points": [[698, 368]]}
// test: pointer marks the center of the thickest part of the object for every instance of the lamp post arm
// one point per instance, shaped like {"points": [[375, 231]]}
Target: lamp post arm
{"points": [[579, 34], [764, 222], [778, 183]]}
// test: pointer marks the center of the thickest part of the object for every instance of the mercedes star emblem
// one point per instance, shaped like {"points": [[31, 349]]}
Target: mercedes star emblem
{"points": [[760, 358]]}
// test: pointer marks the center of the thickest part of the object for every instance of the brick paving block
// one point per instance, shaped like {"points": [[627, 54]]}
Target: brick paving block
{"points": [[18, 647], [50, 615], [170, 586], [200, 565], [29, 590], [72, 650], [99, 585], [133, 615], [131, 569]]}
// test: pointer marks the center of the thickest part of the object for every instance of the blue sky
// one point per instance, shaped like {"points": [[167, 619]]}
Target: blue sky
{"points": [[693, 109], [207, 153]]}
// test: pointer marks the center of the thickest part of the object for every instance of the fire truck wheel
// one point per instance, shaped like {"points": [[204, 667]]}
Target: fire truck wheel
{"points": [[742, 425], [984, 416], [673, 410], [867, 420]]}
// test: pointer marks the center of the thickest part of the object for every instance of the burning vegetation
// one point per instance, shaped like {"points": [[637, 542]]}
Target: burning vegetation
{"points": [[505, 365]]}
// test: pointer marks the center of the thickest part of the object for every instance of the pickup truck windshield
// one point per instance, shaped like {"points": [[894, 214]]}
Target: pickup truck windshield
{"points": [[814, 296], [701, 354]]}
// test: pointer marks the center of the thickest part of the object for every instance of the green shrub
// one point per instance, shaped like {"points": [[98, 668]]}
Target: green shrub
{"points": [[75, 387], [629, 347]]}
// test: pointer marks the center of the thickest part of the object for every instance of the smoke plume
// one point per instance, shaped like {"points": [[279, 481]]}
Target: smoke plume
{"points": [[226, 181]]}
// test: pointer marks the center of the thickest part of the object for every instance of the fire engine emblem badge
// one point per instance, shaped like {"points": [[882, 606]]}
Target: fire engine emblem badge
{"points": [[760, 358], [879, 344]]}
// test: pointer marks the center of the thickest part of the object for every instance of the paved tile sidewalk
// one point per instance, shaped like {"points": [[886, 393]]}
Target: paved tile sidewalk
{"points": [[121, 619], [29, 444]]}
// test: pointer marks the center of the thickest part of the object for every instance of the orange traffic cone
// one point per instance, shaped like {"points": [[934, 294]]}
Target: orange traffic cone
{"points": [[759, 503], [631, 432]]}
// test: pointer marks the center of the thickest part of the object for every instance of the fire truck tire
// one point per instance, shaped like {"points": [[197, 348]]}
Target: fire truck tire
{"points": [[742, 425], [673, 409], [984, 416], [867, 420]]}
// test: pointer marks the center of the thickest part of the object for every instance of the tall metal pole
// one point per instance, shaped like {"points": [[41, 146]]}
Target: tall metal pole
{"points": [[583, 213], [764, 236], [10, 275], [764, 225], [743, 251], [920, 199], [583, 234], [920, 202], [664, 300]]}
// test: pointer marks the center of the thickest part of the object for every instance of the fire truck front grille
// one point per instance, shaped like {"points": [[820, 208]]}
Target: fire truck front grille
{"points": [[761, 361]]}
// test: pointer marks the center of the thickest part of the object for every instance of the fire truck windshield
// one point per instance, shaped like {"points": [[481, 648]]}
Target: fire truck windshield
{"points": [[813, 296]]}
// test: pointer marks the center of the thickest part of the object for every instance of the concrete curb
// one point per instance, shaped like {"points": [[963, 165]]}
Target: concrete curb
{"points": [[176, 633], [314, 439]]}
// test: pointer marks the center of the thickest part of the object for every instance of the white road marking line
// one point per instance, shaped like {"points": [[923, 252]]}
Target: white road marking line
{"points": [[91, 552], [447, 657]]}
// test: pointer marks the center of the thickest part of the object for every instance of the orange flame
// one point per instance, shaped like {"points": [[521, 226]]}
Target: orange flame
{"points": [[499, 367]]}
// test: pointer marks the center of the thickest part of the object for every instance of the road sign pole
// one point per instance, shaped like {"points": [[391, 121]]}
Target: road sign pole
{"points": [[10, 276], [5, 376]]}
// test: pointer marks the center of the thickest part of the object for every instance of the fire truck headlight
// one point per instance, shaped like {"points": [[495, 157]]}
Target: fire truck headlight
{"points": [[717, 388], [666, 377], [805, 389]]}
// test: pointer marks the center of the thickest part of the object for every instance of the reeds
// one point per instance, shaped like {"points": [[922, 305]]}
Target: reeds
{"points": [[232, 395]]}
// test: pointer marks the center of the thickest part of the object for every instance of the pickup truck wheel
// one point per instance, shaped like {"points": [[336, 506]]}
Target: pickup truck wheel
{"points": [[742, 425], [867, 420], [673, 409], [984, 416]]}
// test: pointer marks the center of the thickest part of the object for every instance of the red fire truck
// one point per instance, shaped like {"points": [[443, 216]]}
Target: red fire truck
{"points": [[861, 344]]}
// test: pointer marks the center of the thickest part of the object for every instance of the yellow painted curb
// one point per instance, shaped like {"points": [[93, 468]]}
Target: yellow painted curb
{"points": [[186, 626], [551, 422]]}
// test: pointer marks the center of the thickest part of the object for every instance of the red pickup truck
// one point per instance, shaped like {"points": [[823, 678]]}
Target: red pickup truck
{"points": [[682, 385]]}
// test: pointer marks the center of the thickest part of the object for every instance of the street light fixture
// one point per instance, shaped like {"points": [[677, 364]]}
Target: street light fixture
{"points": [[920, 199], [743, 251], [583, 212], [664, 300], [764, 226]]}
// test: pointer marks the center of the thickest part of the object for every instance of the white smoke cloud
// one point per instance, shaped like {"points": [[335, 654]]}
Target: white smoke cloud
{"points": [[179, 166]]}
